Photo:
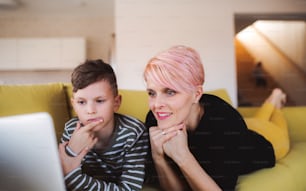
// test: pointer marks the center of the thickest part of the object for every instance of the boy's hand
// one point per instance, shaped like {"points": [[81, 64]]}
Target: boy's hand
{"points": [[70, 163], [83, 137]]}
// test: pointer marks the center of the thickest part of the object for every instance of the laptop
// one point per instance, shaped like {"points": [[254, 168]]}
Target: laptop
{"points": [[29, 158]]}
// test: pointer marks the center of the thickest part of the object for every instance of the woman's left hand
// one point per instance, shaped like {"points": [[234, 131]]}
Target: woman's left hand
{"points": [[177, 147]]}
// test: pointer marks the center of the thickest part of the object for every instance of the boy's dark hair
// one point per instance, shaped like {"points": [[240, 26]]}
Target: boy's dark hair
{"points": [[92, 71]]}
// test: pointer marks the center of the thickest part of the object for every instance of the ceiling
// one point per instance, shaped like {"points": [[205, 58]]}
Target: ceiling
{"points": [[105, 8], [244, 20], [56, 7]]}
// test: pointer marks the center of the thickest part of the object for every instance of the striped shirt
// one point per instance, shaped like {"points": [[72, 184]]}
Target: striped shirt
{"points": [[121, 166]]}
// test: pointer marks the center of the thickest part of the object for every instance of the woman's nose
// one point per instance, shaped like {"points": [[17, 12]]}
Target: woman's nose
{"points": [[158, 102]]}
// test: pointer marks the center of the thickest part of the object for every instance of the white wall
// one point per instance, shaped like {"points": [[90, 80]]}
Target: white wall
{"points": [[92, 20], [144, 28], [289, 37]]}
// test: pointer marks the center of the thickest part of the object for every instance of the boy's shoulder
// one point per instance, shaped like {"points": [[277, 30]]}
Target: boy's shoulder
{"points": [[129, 123], [130, 130], [129, 120], [72, 122]]}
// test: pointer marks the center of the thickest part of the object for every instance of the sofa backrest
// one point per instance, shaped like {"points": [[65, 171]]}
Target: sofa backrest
{"points": [[135, 102], [54, 98], [23, 99]]}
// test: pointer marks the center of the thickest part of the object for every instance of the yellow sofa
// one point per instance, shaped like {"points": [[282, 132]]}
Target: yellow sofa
{"points": [[288, 174]]}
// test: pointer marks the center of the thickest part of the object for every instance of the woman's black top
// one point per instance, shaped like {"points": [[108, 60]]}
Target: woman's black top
{"points": [[222, 144]]}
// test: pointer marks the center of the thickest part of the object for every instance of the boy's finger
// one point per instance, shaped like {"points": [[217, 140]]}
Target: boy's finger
{"points": [[78, 125], [92, 125]]}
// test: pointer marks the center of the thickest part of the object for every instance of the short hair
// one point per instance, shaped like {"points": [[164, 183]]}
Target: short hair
{"points": [[92, 71], [179, 68]]}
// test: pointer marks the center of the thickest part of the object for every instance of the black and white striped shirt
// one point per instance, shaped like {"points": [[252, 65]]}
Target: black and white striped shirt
{"points": [[121, 166]]}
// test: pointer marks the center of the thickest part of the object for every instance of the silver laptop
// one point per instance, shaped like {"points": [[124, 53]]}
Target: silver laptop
{"points": [[29, 158]]}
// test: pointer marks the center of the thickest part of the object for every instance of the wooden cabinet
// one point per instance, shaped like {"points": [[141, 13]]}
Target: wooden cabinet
{"points": [[41, 53]]}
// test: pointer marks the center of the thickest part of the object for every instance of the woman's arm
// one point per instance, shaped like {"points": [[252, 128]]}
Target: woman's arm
{"points": [[168, 179], [177, 149]]}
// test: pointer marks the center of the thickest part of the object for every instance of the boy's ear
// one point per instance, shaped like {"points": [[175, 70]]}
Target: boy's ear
{"points": [[117, 102]]}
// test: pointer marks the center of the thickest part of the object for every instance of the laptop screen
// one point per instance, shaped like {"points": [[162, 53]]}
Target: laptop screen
{"points": [[29, 157]]}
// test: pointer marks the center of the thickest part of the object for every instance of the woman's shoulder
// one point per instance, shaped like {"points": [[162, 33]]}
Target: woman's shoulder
{"points": [[217, 104], [213, 99], [217, 108]]}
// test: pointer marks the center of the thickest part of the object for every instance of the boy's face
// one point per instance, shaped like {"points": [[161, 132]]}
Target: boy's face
{"points": [[96, 102]]}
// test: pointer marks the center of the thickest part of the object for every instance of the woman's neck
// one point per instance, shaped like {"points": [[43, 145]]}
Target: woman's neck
{"points": [[196, 113]]}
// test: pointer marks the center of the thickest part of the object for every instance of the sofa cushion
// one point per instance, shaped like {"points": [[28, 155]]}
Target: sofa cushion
{"points": [[288, 173], [296, 120], [21, 99], [295, 161]]}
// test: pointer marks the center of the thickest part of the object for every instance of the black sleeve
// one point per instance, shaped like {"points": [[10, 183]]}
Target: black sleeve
{"points": [[151, 177], [150, 120], [233, 149], [252, 150], [257, 152]]}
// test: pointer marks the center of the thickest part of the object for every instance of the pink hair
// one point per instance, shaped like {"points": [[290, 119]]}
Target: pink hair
{"points": [[179, 68]]}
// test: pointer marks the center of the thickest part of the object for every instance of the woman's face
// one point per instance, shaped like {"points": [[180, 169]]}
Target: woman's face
{"points": [[169, 107]]}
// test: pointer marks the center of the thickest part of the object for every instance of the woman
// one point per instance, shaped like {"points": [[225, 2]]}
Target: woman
{"points": [[198, 141]]}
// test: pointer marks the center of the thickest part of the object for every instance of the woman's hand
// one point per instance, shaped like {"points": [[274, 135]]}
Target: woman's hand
{"points": [[159, 136], [177, 147]]}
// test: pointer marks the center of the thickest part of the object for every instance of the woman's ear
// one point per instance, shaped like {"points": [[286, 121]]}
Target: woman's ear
{"points": [[198, 93], [117, 103]]}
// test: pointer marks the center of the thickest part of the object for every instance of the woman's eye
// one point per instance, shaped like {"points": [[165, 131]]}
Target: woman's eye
{"points": [[170, 92], [151, 94]]}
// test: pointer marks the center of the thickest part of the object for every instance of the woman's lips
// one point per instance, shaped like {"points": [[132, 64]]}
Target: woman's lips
{"points": [[163, 115]]}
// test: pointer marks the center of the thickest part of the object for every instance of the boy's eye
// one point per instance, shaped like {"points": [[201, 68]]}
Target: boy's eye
{"points": [[100, 101], [81, 102]]}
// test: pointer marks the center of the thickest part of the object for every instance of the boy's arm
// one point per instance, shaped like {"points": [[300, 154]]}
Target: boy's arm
{"points": [[132, 177]]}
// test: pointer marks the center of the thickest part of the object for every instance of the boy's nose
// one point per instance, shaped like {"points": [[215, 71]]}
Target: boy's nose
{"points": [[91, 109]]}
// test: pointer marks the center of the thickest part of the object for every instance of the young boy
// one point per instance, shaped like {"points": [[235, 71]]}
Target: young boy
{"points": [[101, 149]]}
